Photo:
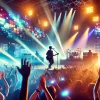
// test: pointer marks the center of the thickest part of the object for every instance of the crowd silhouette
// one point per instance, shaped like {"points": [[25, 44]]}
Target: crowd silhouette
{"points": [[80, 81]]}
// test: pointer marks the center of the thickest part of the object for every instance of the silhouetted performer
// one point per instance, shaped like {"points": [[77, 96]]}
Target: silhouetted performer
{"points": [[37, 54], [50, 56]]}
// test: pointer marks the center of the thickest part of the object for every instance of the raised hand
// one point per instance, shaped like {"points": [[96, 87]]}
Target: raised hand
{"points": [[42, 84], [25, 68], [2, 75]]}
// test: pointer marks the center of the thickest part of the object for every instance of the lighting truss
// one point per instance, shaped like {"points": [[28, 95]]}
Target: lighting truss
{"points": [[59, 4]]}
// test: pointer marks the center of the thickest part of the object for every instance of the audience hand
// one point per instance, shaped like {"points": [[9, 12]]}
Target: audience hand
{"points": [[25, 68], [42, 84], [2, 75]]}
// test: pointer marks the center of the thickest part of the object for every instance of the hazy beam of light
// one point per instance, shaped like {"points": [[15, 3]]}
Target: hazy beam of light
{"points": [[24, 46], [83, 40], [71, 22], [28, 33], [65, 26], [55, 17], [8, 55], [33, 37], [3, 61], [58, 21], [69, 43], [52, 43], [90, 33], [47, 11], [64, 17]]}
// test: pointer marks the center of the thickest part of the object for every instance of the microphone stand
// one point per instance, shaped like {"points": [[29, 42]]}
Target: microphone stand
{"points": [[57, 56]]}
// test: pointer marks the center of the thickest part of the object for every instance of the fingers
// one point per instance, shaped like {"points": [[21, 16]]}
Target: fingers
{"points": [[18, 68], [25, 63], [21, 62]]}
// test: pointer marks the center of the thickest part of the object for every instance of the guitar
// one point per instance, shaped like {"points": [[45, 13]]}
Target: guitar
{"points": [[51, 57]]}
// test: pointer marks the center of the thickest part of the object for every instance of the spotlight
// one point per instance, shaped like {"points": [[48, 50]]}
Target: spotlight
{"points": [[62, 79], [96, 19], [76, 27], [89, 10], [45, 24], [30, 13], [64, 93], [52, 81]]}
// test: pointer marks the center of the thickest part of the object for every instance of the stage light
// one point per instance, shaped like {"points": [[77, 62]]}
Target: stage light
{"points": [[52, 81], [30, 12], [6, 17], [45, 24], [76, 27], [62, 79], [96, 19], [64, 93], [6, 26], [2, 20], [89, 10]]}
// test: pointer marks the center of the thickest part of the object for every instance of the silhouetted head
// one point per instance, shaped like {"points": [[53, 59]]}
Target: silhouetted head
{"points": [[50, 47]]}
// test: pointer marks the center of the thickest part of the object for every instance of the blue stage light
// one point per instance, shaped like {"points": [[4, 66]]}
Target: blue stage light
{"points": [[62, 79], [64, 93], [52, 81]]}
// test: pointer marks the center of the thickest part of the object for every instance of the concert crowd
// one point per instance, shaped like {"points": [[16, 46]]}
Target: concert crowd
{"points": [[74, 82]]}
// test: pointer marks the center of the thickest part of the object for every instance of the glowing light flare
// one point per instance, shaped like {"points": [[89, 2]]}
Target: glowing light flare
{"points": [[52, 81], [83, 40], [76, 27], [45, 24], [30, 12], [62, 79], [23, 45], [89, 10], [96, 19], [6, 25], [70, 42], [8, 55], [64, 93], [2, 20]]}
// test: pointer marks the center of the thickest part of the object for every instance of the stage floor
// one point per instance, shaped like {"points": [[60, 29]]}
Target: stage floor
{"points": [[42, 67]]}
